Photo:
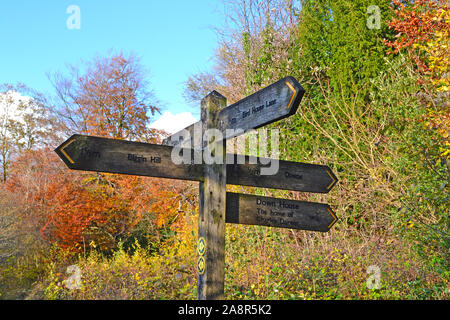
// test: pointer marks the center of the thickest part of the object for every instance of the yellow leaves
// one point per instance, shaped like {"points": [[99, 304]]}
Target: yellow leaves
{"points": [[440, 121], [89, 179], [437, 50], [438, 54], [232, 233], [341, 258], [301, 295], [445, 152], [408, 225]]}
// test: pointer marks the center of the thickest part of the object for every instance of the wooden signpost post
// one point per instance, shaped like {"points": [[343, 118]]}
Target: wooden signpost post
{"points": [[216, 206], [212, 210]]}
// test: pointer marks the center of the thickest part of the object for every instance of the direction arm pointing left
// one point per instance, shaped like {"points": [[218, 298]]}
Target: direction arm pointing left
{"points": [[144, 159], [63, 152], [119, 156]]}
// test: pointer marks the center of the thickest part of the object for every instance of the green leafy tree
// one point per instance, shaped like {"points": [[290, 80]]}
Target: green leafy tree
{"points": [[336, 42]]}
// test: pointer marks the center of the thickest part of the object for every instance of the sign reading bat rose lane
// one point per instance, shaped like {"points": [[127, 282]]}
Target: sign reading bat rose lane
{"points": [[216, 206], [275, 102]]}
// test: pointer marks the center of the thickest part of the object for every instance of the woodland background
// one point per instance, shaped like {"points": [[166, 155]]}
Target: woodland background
{"points": [[375, 110]]}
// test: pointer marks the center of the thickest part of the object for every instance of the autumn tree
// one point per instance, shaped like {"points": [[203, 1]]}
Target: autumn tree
{"points": [[415, 23], [26, 122], [109, 97], [32, 173], [6, 104], [67, 207], [422, 34], [422, 29]]}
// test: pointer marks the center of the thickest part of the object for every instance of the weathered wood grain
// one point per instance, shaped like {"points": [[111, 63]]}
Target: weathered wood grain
{"points": [[291, 175], [90, 153], [194, 132], [281, 213], [275, 102], [211, 223], [143, 159]]}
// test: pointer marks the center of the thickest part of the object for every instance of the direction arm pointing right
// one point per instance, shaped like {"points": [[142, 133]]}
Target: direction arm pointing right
{"points": [[119, 156], [275, 102]]}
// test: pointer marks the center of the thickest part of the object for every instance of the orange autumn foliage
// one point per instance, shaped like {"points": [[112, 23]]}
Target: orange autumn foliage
{"points": [[422, 28], [76, 208], [55, 194], [73, 211], [109, 99], [415, 23]]}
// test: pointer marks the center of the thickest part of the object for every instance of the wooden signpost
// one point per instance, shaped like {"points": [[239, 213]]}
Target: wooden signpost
{"points": [[275, 102], [281, 213], [212, 210], [295, 176], [119, 156], [90, 153], [216, 206]]}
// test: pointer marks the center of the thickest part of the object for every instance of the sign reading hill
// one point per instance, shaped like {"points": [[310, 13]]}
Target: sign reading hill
{"points": [[216, 206], [90, 153]]}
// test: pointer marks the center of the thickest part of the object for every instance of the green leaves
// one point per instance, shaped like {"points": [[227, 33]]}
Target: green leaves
{"points": [[334, 38]]}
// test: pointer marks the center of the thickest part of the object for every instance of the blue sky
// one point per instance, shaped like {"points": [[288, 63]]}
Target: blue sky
{"points": [[173, 38]]}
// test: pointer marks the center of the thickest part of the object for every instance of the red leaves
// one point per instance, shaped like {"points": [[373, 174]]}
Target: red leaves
{"points": [[110, 99], [414, 24], [74, 208]]}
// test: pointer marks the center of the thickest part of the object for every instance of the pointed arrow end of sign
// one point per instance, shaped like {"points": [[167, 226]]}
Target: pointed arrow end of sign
{"points": [[62, 152], [335, 218], [334, 180], [297, 94]]}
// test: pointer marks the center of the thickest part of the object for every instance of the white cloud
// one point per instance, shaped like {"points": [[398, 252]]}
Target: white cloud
{"points": [[9, 106], [172, 123]]}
